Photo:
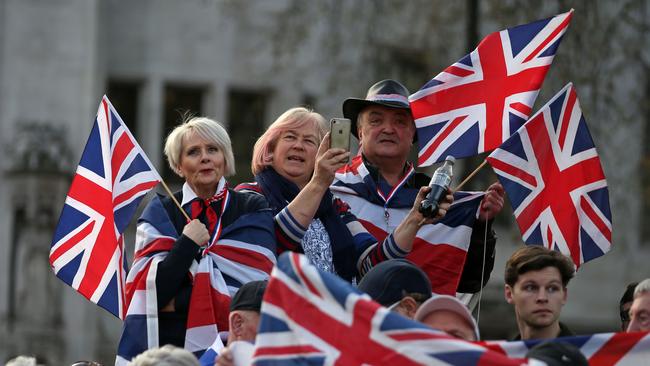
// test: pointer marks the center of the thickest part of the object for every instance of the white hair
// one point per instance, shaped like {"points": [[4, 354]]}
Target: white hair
{"points": [[642, 287], [22, 361], [166, 355], [207, 129]]}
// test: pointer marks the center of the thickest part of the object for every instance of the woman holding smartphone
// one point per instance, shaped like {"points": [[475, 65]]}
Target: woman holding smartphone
{"points": [[294, 166]]}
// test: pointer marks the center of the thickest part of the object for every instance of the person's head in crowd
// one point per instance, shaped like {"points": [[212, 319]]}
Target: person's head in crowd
{"points": [[397, 284], [449, 315], [558, 354], [199, 151], [536, 285], [22, 361], [244, 317], [383, 123], [273, 148], [166, 355], [625, 304], [640, 309]]}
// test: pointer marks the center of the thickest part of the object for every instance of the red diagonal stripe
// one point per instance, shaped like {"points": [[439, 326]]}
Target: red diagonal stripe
{"points": [[72, 241], [548, 39], [593, 216], [449, 128], [512, 170], [521, 108], [616, 348], [142, 187], [566, 116], [122, 148], [458, 71]]}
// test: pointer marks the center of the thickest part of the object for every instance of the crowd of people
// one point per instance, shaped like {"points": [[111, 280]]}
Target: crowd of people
{"points": [[312, 212]]}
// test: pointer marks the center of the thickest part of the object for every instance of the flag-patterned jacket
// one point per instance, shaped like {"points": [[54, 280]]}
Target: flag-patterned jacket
{"points": [[450, 251]]}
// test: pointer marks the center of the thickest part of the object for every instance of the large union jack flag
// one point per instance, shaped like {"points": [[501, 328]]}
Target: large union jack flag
{"points": [[552, 174], [113, 175], [478, 102], [314, 318], [605, 349]]}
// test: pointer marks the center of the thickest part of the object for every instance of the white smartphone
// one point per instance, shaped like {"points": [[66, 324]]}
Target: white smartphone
{"points": [[340, 133]]}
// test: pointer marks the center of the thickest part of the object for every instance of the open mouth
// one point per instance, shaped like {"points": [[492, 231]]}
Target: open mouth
{"points": [[296, 158]]}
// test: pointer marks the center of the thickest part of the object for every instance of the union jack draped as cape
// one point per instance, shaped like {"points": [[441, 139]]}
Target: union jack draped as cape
{"points": [[606, 349], [552, 174], [244, 252], [113, 175], [314, 318], [439, 249], [478, 102]]}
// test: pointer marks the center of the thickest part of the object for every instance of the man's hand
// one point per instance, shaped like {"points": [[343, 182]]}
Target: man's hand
{"points": [[442, 207], [492, 203]]}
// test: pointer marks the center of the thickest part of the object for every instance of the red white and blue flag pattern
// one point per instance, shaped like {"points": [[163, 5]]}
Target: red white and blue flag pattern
{"points": [[478, 102], [604, 349], [113, 176], [551, 172], [311, 317], [439, 249], [244, 251]]}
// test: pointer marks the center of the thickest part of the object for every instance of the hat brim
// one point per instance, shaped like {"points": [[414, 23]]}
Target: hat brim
{"points": [[353, 106], [450, 303]]}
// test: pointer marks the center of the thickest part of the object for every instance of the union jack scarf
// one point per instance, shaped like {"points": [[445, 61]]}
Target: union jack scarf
{"points": [[241, 252]]}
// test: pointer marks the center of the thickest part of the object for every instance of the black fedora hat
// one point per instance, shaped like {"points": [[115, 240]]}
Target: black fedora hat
{"points": [[388, 93]]}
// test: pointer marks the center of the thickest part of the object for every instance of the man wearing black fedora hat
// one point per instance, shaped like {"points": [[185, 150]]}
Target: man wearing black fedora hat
{"points": [[380, 183]]}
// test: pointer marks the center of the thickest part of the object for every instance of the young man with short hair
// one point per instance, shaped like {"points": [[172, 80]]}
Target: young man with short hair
{"points": [[536, 285]]}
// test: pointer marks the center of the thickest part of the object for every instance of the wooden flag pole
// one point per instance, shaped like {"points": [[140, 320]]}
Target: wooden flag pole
{"points": [[171, 195], [461, 184]]}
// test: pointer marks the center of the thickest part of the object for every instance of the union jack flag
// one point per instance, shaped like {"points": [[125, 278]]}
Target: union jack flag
{"points": [[552, 174], [311, 317], [113, 175], [605, 349], [478, 102]]}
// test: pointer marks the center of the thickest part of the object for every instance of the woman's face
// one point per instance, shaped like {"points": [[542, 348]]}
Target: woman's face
{"points": [[295, 154], [202, 164]]}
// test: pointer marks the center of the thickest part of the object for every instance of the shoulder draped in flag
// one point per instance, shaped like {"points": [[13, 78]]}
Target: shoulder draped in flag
{"points": [[244, 252], [113, 176], [314, 318], [478, 102], [552, 175], [439, 249], [605, 349]]}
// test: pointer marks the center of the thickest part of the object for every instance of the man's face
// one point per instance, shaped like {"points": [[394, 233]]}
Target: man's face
{"points": [[538, 297], [385, 132], [640, 313], [451, 323]]}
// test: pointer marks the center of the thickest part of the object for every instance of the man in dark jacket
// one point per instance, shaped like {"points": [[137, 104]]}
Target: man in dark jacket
{"points": [[536, 285]]}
